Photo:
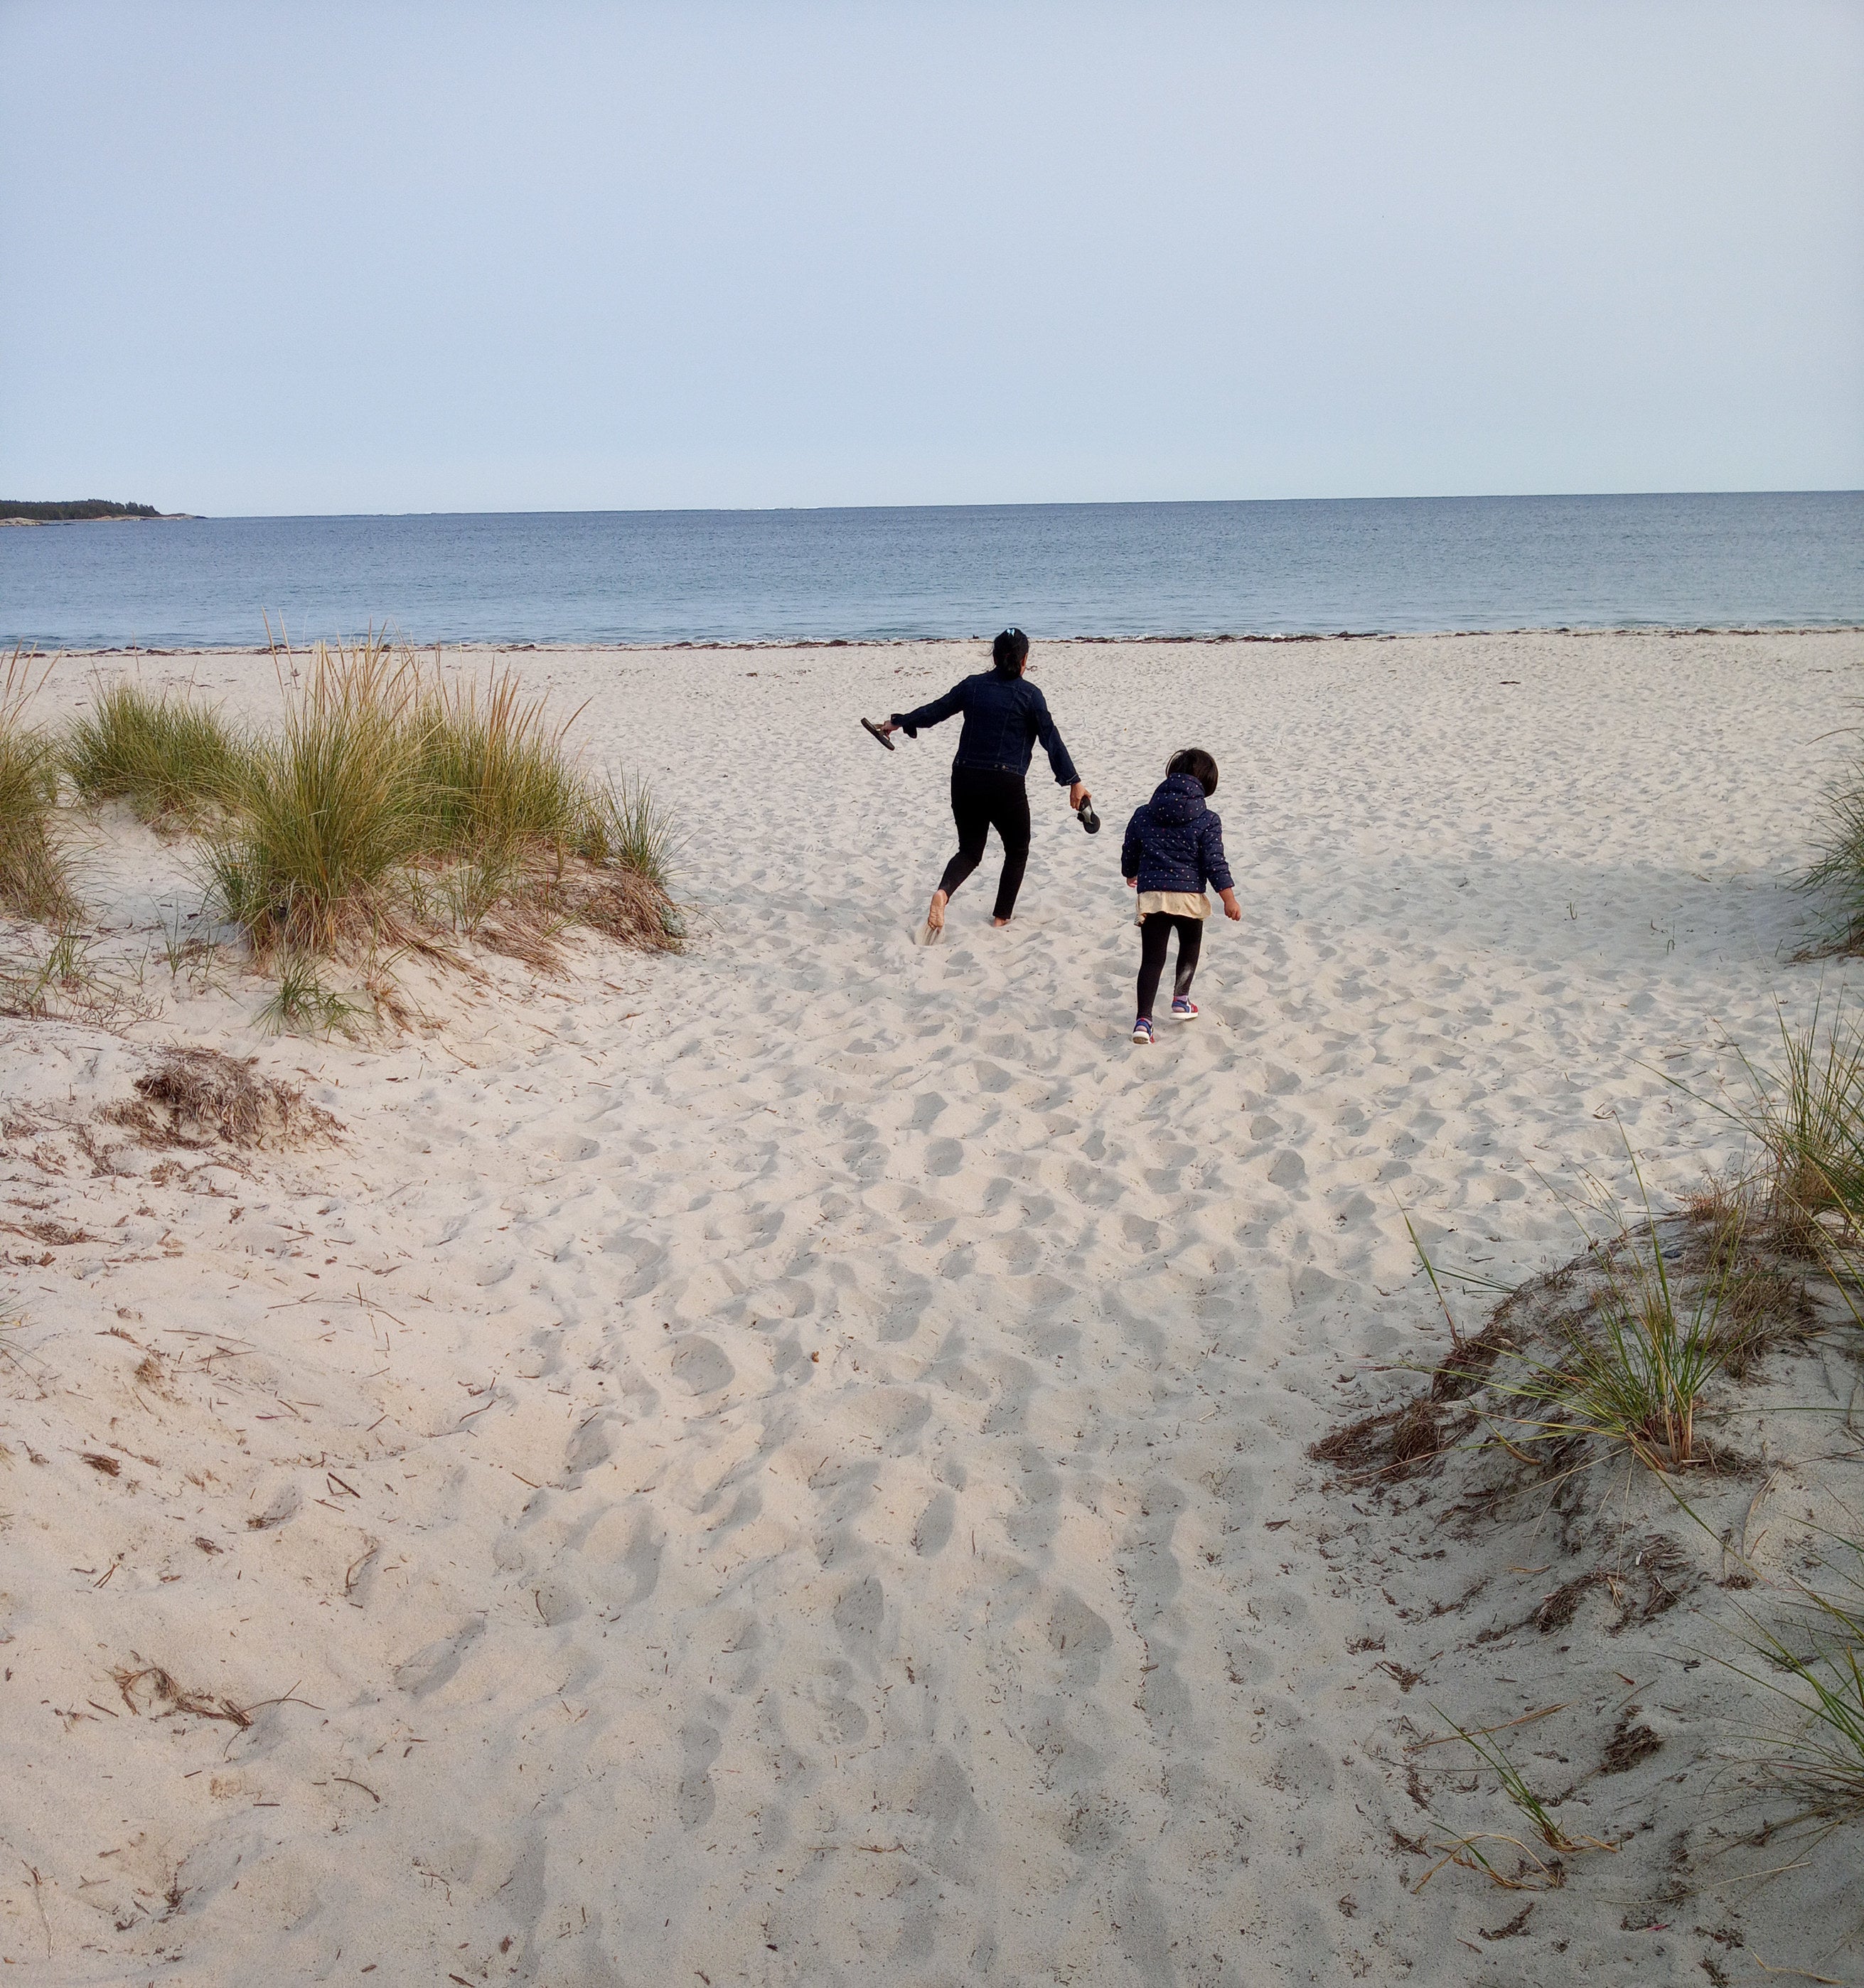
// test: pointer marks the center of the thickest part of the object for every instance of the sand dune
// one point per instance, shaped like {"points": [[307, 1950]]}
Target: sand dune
{"points": [[788, 1463]]}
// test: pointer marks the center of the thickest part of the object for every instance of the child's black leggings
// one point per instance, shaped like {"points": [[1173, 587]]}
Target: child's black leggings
{"points": [[1155, 931]]}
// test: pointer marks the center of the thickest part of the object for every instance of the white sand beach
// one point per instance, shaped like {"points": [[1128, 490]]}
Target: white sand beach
{"points": [[787, 1463]]}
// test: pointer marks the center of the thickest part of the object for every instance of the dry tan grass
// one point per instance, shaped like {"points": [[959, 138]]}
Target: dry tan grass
{"points": [[150, 1691], [194, 1097], [1736, 1234], [1391, 1444]]}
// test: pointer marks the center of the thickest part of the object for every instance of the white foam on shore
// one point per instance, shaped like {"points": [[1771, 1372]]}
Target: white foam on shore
{"points": [[767, 1457]]}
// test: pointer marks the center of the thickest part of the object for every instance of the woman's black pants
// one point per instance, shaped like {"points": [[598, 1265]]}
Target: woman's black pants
{"points": [[1155, 931], [985, 798]]}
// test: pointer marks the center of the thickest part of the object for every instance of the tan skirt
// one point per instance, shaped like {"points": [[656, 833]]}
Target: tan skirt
{"points": [[1175, 904]]}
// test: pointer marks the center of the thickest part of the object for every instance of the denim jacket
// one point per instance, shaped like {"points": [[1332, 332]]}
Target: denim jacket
{"points": [[1174, 842], [1004, 717]]}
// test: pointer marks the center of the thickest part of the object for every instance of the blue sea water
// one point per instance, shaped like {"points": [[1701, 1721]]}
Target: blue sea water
{"points": [[1383, 565]]}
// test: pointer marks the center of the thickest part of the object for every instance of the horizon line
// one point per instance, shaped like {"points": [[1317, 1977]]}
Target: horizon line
{"points": [[1024, 504]]}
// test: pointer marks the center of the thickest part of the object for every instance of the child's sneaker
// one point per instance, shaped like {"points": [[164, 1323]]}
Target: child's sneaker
{"points": [[1142, 1030], [1183, 1010]]}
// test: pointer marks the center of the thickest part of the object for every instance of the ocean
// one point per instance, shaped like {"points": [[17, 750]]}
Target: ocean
{"points": [[1307, 567]]}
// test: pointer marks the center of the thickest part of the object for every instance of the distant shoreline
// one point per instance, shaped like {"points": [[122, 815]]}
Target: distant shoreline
{"points": [[823, 645], [87, 511]]}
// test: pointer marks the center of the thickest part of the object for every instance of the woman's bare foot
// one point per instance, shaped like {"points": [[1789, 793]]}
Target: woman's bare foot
{"points": [[935, 914], [1000, 921]]}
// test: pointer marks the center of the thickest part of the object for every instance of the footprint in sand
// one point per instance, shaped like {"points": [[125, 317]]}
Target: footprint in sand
{"points": [[934, 1527], [696, 1797], [701, 1368], [860, 1611], [282, 1505], [892, 1416], [843, 1721], [434, 1664], [590, 1447], [1288, 1171], [1078, 1636], [556, 1602], [618, 1552], [934, 1789]]}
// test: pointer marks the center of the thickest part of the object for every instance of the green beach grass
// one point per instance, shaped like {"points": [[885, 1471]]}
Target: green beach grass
{"points": [[35, 878], [174, 761], [393, 803]]}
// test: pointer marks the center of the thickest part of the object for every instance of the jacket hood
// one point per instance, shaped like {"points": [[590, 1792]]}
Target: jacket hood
{"points": [[1179, 799]]}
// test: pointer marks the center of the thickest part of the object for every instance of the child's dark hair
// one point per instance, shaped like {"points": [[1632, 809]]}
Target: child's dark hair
{"points": [[1199, 764], [1009, 652]]}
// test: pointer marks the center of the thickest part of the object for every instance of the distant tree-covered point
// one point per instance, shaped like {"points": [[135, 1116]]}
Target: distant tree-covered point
{"points": [[79, 509]]}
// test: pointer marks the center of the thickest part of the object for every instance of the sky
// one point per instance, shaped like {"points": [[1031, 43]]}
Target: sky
{"points": [[387, 257]]}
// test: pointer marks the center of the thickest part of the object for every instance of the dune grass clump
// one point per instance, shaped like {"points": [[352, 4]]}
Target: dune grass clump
{"points": [[1837, 875], [332, 812], [1676, 1312], [1806, 1115], [1674, 1305], [1637, 1361], [303, 1005], [34, 880], [622, 824], [1814, 1672], [1465, 1852], [493, 772], [1634, 1374], [503, 786], [395, 804], [174, 761]]}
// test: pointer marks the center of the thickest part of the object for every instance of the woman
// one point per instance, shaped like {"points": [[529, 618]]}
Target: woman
{"points": [[1004, 714]]}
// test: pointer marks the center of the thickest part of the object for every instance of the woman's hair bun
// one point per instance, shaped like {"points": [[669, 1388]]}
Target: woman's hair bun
{"points": [[1009, 651]]}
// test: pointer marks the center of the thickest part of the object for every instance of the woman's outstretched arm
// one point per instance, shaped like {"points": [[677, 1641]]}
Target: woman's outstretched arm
{"points": [[934, 713]]}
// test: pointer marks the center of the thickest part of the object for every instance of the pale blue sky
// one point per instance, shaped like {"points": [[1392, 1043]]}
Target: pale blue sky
{"points": [[382, 257]]}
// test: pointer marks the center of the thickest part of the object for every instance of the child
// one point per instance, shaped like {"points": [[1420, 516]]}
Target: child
{"points": [[1173, 845]]}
